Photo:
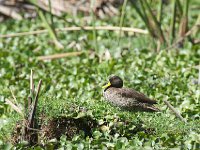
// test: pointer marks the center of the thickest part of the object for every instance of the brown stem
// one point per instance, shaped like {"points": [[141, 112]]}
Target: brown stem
{"points": [[87, 28], [33, 110], [16, 108], [174, 111], [59, 55]]}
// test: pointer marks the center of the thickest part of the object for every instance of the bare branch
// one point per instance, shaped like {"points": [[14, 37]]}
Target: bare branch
{"points": [[59, 55], [174, 111], [184, 36], [32, 87], [14, 97], [16, 108], [8, 11], [87, 28], [33, 110]]}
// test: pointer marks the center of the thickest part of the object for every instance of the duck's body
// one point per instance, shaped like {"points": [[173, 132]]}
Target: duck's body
{"points": [[128, 99]]}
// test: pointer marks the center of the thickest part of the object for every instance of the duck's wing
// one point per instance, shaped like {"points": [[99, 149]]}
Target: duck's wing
{"points": [[130, 93]]}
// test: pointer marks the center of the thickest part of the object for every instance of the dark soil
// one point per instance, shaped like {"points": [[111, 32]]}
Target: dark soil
{"points": [[69, 126], [57, 127]]}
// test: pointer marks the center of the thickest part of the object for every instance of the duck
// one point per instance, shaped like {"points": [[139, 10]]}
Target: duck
{"points": [[126, 98]]}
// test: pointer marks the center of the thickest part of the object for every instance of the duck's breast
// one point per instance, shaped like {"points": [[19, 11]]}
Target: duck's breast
{"points": [[116, 97]]}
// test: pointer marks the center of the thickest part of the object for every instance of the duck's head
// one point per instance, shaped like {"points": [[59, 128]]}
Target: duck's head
{"points": [[114, 81]]}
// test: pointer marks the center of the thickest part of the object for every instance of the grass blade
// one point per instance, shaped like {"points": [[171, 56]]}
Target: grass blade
{"points": [[184, 19], [160, 6], [50, 30], [153, 22], [122, 19], [93, 25], [173, 21]]}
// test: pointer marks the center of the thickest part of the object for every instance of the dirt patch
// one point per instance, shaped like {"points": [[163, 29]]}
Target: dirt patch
{"points": [[57, 127], [18, 134], [69, 126]]}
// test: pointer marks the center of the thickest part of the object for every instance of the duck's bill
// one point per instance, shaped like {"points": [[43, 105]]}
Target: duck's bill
{"points": [[106, 85]]}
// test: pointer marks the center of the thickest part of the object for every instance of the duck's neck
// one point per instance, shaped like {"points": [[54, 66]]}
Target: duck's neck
{"points": [[106, 88], [109, 87]]}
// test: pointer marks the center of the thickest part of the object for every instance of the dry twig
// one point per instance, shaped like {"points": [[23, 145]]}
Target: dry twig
{"points": [[32, 113], [174, 111], [14, 97], [32, 87], [183, 37], [59, 55], [87, 28], [16, 108], [10, 12]]}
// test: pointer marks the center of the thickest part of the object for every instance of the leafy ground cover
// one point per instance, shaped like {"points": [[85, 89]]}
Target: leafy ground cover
{"points": [[72, 96]]}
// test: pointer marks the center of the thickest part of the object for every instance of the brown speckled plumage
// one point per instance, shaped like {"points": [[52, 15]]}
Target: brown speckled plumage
{"points": [[126, 98]]}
